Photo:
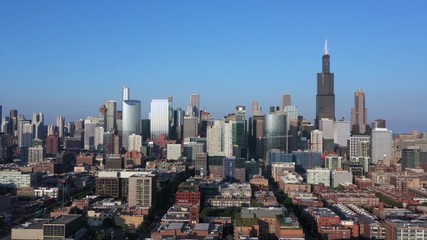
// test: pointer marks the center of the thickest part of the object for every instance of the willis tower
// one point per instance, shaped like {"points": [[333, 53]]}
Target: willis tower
{"points": [[325, 98]]}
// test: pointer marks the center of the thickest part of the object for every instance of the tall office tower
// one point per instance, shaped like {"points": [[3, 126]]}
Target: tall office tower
{"points": [[276, 136], [52, 145], [35, 155], [177, 124], [201, 164], [5, 125], [286, 101], [108, 144], [27, 134], [359, 114], [51, 130], [111, 116], [256, 109], [71, 129], [317, 141], [1, 117], [256, 136], [205, 121], [145, 132], [13, 116], [89, 131], [341, 132], [355, 145], [214, 137], [60, 122], [99, 138], [141, 190], [131, 120], [381, 145], [135, 142], [195, 105], [379, 123], [327, 127], [190, 127], [159, 115], [325, 98], [38, 122], [20, 125]]}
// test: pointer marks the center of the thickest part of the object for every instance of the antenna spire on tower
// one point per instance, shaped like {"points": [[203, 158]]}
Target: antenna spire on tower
{"points": [[326, 47]]}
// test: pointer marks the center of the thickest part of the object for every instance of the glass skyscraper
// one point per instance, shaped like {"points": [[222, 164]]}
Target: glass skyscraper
{"points": [[160, 119], [131, 120]]}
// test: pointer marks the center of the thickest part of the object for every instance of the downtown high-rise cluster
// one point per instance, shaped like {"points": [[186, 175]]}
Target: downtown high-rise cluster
{"points": [[181, 173]]}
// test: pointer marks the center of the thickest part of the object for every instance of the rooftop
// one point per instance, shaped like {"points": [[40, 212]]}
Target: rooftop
{"points": [[245, 222], [65, 219]]}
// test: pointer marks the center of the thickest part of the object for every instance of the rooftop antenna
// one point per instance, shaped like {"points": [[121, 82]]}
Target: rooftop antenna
{"points": [[326, 47]]}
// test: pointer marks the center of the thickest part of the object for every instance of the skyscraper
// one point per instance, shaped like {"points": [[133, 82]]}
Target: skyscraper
{"points": [[1, 117], [195, 105], [125, 93], [286, 101], [111, 116], [256, 109], [60, 121], [325, 98], [381, 145], [159, 115], [359, 114], [14, 121], [276, 132], [131, 120]]}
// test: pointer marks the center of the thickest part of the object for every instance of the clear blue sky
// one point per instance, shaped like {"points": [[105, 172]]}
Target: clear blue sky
{"points": [[68, 57]]}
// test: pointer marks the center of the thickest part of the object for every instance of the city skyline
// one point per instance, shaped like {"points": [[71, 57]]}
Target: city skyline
{"points": [[257, 54]]}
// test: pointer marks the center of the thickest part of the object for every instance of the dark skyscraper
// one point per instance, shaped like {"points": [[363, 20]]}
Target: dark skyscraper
{"points": [[325, 98]]}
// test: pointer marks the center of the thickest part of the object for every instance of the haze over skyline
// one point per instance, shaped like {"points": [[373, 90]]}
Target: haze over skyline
{"points": [[67, 58]]}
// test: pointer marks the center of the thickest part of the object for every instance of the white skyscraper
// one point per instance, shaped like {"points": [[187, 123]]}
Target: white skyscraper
{"points": [[111, 115], [131, 120], [381, 145], [135, 142], [317, 141], [214, 137], [227, 138], [27, 134], [326, 125], [99, 138], [89, 131], [60, 121], [342, 131], [160, 119]]}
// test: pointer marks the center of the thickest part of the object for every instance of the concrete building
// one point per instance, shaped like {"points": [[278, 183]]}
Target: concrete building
{"points": [[316, 141], [381, 145], [342, 132], [174, 151], [359, 114], [90, 123], [64, 227], [99, 138], [191, 126], [16, 179], [60, 122], [214, 137], [319, 176], [326, 125], [135, 142], [111, 116], [35, 155], [201, 164], [333, 162], [141, 190], [357, 148], [340, 177]]}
